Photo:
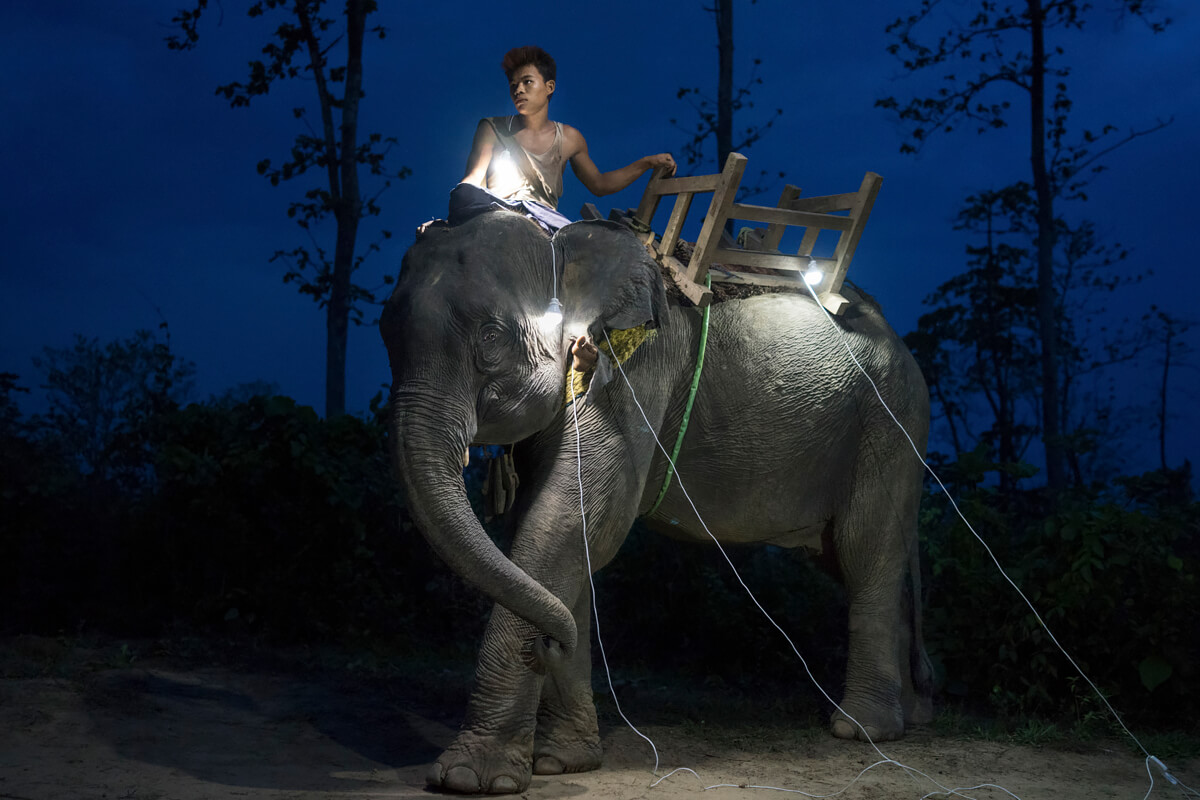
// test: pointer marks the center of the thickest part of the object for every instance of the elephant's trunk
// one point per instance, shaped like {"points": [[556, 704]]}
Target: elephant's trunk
{"points": [[428, 457]]}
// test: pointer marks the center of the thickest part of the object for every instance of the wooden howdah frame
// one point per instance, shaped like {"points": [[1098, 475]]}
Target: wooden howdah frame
{"points": [[759, 247]]}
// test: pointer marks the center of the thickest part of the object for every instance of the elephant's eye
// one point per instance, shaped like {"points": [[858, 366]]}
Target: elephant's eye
{"points": [[491, 334], [494, 341]]}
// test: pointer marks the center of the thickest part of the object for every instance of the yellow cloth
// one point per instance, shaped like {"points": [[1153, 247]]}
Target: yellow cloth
{"points": [[624, 344]]}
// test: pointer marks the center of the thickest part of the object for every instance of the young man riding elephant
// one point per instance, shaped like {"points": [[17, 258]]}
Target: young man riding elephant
{"points": [[522, 157], [518, 161]]}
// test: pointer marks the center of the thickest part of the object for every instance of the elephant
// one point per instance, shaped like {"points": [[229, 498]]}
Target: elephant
{"points": [[787, 444]]}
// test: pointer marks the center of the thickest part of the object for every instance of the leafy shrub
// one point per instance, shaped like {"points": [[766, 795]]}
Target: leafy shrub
{"points": [[255, 516], [260, 518], [672, 606], [1113, 574]]}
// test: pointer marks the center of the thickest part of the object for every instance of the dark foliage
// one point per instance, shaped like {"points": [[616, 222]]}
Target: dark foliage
{"points": [[261, 519], [665, 604], [258, 520], [1112, 572], [1000, 47], [330, 148]]}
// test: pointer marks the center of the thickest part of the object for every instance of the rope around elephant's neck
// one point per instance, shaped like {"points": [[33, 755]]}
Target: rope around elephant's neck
{"points": [[687, 409]]}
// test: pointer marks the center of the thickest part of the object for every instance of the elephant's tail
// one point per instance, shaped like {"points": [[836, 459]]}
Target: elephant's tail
{"points": [[920, 667], [862, 295]]}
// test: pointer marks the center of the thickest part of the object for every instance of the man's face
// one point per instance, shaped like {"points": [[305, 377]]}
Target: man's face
{"points": [[528, 91]]}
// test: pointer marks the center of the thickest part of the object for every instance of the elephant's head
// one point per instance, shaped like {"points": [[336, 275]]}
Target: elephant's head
{"points": [[474, 360]]}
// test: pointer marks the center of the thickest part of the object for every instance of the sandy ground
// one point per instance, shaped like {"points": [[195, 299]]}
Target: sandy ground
{"points": [[113, 726]]}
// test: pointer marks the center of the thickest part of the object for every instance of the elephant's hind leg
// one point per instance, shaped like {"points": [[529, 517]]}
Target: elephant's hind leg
{"points": [[568, 736], [874, 543], [872, 703]]}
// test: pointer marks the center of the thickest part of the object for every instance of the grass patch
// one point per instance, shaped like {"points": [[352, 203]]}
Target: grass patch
{"points": [[1036, 733], [1169, 745]]}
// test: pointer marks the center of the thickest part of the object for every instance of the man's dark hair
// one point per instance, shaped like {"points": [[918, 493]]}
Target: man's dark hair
{"points": [[520, 56]]}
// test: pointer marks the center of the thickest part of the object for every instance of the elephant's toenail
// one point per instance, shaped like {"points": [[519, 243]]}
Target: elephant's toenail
{"points": [[548, 765], [462, 779], [504, 785], [843, 729]]}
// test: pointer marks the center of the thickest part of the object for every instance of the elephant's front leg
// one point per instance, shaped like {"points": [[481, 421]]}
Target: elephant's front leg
{"points": [[568, 735], [493, 752]]}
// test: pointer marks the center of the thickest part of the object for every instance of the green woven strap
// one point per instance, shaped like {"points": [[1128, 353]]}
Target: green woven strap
{"points": [[687, 409]]}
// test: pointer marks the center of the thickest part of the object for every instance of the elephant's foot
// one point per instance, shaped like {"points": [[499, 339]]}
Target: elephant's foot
{"points": [[567, 743], [883, 723], [557, 760], [478, 765], [918, 710]]}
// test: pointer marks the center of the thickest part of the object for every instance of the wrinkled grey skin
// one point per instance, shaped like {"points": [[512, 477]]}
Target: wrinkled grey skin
{"points": [[787, 444]]}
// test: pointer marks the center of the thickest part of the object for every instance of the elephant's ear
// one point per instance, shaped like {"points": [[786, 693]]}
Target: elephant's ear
{"points": [[609, 279]]}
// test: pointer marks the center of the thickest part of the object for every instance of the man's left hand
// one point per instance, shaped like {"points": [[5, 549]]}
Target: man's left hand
{"points": [[664, 160], [585, 353]]}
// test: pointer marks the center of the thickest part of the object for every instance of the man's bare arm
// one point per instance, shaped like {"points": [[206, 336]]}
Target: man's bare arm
{"points": [[603, 183], [481, 154]]}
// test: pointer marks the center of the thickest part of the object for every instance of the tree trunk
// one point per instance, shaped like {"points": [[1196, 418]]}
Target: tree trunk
{"points": [[724, 15], [1162, 397], [337, 324], [992, 354], [1047, 296], [348, 211]]}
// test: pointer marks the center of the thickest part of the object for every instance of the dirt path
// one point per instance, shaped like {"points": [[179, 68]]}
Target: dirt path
{"points": [[147, 731]]}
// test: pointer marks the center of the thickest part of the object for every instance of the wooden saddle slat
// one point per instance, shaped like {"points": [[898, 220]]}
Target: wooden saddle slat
{"points": [[757, 248]]}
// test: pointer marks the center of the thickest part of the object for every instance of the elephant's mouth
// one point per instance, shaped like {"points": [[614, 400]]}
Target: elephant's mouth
{"points": [[509, 411]]}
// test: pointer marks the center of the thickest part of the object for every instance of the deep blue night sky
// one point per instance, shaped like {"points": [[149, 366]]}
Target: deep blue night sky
{"points": [[133, 191]]}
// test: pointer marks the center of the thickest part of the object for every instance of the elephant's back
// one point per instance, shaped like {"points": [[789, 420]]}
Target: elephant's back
{"points": [[789, 342], [783, 416]]}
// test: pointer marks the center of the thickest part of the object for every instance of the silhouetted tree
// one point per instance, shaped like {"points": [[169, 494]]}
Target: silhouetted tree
{"points": [[10, 412], [1174, 350], [301, 46], [979, 341], [979, 345], [716, 117], [1003, 44], [102, 399]]}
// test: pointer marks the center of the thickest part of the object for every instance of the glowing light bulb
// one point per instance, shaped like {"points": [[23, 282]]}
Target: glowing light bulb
{"points": [[504, 169], [553, 316], [813, 276]]}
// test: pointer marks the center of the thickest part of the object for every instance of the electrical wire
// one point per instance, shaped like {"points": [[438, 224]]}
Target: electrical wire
{"points": [[1150, 759], [679, 479], [588, 559], [971, 528]]}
